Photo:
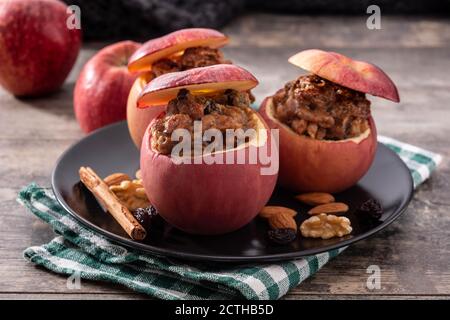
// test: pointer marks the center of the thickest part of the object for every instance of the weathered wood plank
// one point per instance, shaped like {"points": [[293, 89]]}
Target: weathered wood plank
{"points": [[265, 30], [72, 296], [124, 296]]}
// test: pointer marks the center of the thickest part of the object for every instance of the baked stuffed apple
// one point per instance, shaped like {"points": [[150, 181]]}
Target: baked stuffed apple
{"points": [[207, 187], [180, 50], [328, 138]]}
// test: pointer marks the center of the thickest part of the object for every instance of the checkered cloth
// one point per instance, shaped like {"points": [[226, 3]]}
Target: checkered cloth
{"points": [[80, 251]]}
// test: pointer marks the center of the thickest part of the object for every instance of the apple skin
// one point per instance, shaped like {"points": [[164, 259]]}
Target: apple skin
{"points": [[357, 75], [138, 119], [102, 88], [205, 199], [217, 77], [173, 43], [37, 50], [309, 165]]}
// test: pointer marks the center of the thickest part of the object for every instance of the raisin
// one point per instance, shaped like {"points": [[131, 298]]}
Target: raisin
{"points": [[145, 215], [229, 93], [183, 93], [210, 107], [371, 208], [282, 235]]}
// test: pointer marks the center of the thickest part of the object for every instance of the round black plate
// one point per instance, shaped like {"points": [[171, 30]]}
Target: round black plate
{"points": [[110, 150]]}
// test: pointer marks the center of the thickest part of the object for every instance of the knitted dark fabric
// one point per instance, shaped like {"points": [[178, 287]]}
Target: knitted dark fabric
{"points": [[419, 7], [142, 19]]}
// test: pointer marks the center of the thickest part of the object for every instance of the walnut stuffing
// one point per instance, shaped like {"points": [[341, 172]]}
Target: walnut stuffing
{"points": [[229, 109], [320, 109]]}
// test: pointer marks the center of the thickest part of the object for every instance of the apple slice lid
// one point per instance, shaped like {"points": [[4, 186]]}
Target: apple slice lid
{"points": [[172, 43], [357, 75], [202, 80]]}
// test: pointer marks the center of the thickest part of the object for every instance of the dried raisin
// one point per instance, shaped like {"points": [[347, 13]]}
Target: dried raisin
{"points": [[282, 235], [371, 208], [145, 215]]}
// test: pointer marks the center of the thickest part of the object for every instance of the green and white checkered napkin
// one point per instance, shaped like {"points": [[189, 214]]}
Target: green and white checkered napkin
{"points": [[79, 250]]}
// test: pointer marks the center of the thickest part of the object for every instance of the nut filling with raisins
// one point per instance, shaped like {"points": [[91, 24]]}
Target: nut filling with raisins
{"points": [[222, 111], [320, 109], [191, 58]]}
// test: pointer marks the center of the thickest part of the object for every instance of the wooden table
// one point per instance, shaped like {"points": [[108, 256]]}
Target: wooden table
{"points": [[413, 253]]}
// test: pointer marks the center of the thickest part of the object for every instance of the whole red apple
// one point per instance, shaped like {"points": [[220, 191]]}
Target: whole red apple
{"points": [[37, 49], [101, 91]]}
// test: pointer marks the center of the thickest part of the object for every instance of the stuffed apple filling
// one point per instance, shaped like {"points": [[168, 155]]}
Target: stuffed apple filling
{"points": [[229, 109], [322, 110]]}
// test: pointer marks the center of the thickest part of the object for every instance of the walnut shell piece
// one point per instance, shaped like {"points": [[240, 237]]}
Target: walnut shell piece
{"points": [[325, 226]]}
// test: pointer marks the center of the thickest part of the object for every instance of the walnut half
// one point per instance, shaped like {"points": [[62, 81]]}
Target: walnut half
{"points": [[131, 194], [325, 226]]}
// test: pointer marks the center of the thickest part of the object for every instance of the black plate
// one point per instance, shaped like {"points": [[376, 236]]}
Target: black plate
{"points": [[110, 150]]}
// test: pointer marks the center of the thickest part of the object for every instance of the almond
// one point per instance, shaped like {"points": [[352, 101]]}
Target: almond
{"points": [[315, 198], [333, 207], [116, 179], [268, 211], [282, 221]]}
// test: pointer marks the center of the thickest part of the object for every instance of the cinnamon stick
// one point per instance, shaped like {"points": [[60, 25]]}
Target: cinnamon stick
{"points": [[109, 200]]}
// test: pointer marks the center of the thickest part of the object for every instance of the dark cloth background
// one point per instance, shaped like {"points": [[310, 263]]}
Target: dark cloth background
{"points": [[141, 19]]}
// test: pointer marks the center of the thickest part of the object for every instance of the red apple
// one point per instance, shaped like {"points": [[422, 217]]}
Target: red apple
{"points": [[173, 43], [357, 75], [102, 88], [37, 49], [320, 165], [198, 81]]}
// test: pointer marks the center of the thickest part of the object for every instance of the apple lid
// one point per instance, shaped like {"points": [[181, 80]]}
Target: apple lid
{"points": [[357, 75], [202, 80], [172, 43]]}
